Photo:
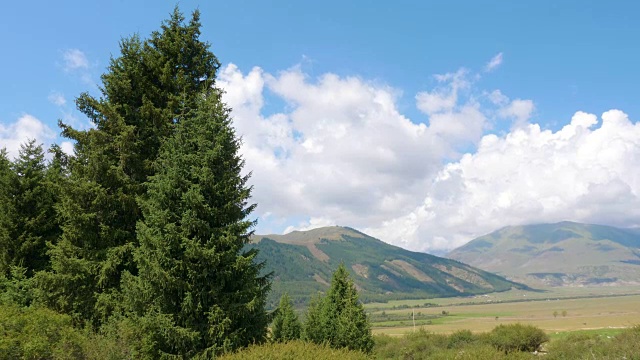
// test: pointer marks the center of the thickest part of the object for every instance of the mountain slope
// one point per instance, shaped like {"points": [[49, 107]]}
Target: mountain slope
{"points": [[302, 263], [564, 253]]}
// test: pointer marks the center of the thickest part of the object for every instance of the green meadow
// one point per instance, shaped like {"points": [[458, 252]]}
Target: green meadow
{"points": [[556, 311]]}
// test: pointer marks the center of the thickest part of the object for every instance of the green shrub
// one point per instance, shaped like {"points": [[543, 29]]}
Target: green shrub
{"points": [[40, 333], [461, 338], [294, 350], [517, 337], [34, 333], [625, 345], [422, 345], [575, 346], [416, 345]]}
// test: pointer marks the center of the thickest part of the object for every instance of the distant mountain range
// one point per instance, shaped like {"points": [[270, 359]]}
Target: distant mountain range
{"points": [[302, 263], [566, 253]]}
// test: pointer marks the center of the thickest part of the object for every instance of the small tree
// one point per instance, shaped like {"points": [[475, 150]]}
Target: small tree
{"points": [[286, 325], [338, 319]]}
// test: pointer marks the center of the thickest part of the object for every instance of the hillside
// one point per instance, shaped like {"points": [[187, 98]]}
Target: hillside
{"points": [[564, 253], [303, 261]]}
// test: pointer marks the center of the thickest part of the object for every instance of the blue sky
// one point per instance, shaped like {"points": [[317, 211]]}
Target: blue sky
{"points": [[555, 59]]}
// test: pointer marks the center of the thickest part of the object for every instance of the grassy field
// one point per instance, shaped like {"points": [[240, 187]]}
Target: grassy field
{"points": [[555, 311]]}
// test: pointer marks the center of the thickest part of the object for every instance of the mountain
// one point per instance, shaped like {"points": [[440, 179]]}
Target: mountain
{"points": [[302, 263], [566, 253]]}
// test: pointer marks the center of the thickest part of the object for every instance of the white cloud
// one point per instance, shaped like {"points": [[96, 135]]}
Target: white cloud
{"points": [[340, 152], [443, 98], [74, 59], [25, 128], [519, 110], [312, 223], [57, 99], [497, 97], [494, 63], [530, 175], [67, 147]]}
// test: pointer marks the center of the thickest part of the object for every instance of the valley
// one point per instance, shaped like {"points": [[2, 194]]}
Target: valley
{"points": [[555, 310], [593, 285]]}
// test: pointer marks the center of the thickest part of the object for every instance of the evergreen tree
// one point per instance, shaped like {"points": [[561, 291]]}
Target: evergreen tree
{"points": [[316, 325], [34, 199], [7, 182], [143, 92], [338, 319], [197, 292], [286, 325]]}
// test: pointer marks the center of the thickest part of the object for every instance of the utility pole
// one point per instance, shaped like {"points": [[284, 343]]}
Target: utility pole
{"points": [[413, 313]]}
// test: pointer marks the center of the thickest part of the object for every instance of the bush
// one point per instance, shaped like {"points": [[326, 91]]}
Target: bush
{"points": [[461, 338], [517, 337], [35, 333], [294, 350], [625, 345], [421, 345], [40, 333], [416, 345]]}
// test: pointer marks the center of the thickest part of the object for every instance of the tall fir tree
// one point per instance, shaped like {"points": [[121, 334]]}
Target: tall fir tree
{"points": [[143, 92], [34, 200], [338, 318], [7, 212], [286, 326], [198, 292]]}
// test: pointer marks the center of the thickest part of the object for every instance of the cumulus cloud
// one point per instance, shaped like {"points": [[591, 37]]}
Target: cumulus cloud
{"points": [[337, 150], [340, 150], [581, 173], [519, 110], [25, 128], [494, 63], [74, 59]]}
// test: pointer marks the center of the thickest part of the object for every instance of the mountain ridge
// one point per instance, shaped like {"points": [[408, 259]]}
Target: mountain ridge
{"points": [[302, 263], [558, 254]]}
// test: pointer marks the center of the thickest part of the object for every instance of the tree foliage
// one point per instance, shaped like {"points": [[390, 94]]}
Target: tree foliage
{"points": [[339, 318], [141, 234], [286, 326], [28, 219], [144, 91], [34, 198], [7, 182], [194, 276]]}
